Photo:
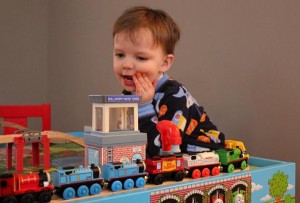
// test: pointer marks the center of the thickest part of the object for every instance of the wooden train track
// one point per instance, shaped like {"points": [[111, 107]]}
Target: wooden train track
{"points": [[52, 135]]}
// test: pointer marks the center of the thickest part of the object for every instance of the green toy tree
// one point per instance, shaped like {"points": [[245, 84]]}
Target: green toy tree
{"points": [[278, 185]]}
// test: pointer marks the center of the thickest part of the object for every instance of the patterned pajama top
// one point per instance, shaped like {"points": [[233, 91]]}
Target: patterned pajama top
{"points": [[173, 102]]}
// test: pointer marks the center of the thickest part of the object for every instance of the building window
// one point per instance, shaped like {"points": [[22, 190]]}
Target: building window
{"points": [[99, 119], [124, 117]]}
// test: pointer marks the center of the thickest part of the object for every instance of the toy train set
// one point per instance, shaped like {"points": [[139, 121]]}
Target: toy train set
{"points": [[80, 181], [71, 181]]}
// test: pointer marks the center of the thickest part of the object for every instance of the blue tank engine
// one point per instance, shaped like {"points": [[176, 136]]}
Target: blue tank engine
{"points": [[124, 175], [80, 181]]}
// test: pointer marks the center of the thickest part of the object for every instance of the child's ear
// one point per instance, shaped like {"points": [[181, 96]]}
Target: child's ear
{"points": [[167, 63]]}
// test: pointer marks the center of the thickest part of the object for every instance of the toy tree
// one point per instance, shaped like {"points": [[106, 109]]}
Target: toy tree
{"points": [[278, 185]]}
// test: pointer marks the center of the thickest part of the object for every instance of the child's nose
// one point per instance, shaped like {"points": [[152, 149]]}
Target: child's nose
{"points": [[128, 64]]}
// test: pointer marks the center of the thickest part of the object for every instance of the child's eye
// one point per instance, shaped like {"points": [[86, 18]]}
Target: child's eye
{"points": [[141, 58], [119, 55]]}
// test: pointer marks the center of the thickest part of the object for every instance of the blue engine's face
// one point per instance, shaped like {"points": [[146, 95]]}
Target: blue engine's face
{"points": [[55, 178]]}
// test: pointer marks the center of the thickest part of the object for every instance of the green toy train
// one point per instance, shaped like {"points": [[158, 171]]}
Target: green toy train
{"points": [[233, 156]]}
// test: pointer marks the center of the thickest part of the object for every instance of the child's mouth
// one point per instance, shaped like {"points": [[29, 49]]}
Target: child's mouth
{"points": [[128, 80], [127, 77]]}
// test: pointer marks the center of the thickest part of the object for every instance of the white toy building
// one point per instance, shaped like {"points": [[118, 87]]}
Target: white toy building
{"points": [[114, 136]]}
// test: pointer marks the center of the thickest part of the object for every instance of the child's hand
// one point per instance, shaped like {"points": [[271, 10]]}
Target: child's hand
{"points": [[144, 87]]}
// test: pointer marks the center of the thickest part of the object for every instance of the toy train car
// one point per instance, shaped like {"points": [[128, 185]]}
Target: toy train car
{"points": [[80, 181], [165, 167], [26, 187], [202, 164], [124, 175], [233, 156]]}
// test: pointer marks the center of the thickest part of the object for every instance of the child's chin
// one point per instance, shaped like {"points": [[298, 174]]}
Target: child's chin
{"points": [[130, 89]]}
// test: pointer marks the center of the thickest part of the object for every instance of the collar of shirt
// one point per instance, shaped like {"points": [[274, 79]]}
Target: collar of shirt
{"points": [[161, 80]]}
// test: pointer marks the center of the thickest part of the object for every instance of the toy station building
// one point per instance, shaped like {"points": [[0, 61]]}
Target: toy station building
{"points": [[114, 136]]}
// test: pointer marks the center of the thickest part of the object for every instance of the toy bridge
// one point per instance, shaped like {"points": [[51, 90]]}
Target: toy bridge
{"points": [[35, 139]]}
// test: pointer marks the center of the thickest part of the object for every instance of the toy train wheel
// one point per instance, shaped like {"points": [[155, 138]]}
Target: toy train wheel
{"points": [[140, 182], [158, 179], [69, 193], [10, 199], [95, 189], [128, 184], [215, 171], [45, 196], [116, 186], [230, 168], [179, 176], [82, 191], [196, 174], [243, 165], [205, 172], [27, 198]]}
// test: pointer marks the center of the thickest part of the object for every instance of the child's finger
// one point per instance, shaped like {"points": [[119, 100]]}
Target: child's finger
{"points": [[147, 82]]}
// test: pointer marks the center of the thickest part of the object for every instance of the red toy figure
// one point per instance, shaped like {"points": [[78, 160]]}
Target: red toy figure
{"points": [[167, 165], [170, 136]]}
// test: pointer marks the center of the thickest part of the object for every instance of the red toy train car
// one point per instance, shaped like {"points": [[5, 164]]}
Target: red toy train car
{"points": [[163, 167], [25, 187]]}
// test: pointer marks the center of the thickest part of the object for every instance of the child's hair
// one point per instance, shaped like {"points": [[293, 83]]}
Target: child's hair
{"points": [[164, 30]]}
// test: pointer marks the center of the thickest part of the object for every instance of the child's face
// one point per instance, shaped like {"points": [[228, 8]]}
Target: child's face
{"points": [[140, 56]]}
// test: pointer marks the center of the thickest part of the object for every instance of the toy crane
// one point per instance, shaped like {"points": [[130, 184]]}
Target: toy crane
{"points": [[170, 137]]}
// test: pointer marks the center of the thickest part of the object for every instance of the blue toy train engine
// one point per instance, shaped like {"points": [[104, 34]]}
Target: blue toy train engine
{"points": [[80, 181], [124, 175]]}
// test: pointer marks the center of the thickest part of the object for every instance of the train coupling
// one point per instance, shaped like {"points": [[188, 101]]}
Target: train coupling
{"points": [[186, 172], [146, 178], [105, 184]]}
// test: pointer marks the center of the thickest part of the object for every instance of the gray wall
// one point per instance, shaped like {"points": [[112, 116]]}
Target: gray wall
{"points": [[240, 59], [23, 51]]}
